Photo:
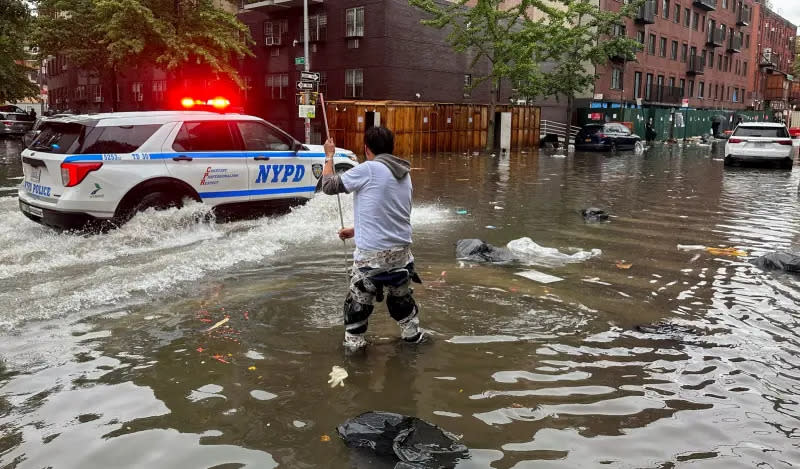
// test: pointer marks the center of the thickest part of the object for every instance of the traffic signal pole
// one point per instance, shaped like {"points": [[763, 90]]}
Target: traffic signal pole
{"points": [[306, 67]]}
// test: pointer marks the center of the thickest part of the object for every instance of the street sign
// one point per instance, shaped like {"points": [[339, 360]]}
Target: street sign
{"points": [[304, 85], [306, 111], [309, 76], [299, 60], [684, 102]]}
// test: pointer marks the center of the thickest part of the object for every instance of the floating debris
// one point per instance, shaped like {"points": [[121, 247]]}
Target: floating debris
{"points": [[623, 265], [732, 252], [338, 375], [540, 277], [221, 322]]}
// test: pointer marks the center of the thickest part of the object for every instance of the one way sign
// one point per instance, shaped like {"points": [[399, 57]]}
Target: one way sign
{"points": [[304, 85], [309, 76]]}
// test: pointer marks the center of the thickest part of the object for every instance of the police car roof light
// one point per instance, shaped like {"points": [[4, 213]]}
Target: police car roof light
{"points": [[218, 103]]}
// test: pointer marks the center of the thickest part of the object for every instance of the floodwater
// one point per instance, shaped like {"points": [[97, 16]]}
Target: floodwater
{"points": [[105, 360]]}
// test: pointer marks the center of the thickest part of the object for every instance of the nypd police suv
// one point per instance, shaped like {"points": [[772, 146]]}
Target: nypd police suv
{"points": [[107, 167]]}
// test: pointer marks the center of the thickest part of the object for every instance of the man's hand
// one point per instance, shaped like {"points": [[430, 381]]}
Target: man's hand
{"points": [[330, 147], [346, 233]]}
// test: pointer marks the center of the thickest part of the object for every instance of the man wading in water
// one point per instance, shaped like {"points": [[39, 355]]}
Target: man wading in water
{"points": [[381, 188]]}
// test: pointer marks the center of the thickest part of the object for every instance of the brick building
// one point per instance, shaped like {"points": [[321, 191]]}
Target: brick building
{"points": [[774, 53], [695, 50], [363, 49]]}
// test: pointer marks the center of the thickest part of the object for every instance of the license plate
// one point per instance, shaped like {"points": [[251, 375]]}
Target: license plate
{"points": [[35, 211], [760, 145], [36, 173], [588, 139]]}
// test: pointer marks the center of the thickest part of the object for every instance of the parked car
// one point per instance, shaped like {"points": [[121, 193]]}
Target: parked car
{"points": [[100, 170], [15, 123], [606, 137], [760, 141]]}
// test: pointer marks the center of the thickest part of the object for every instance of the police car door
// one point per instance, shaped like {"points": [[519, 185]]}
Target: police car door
{"points": [[208, 156], [276, 170]]}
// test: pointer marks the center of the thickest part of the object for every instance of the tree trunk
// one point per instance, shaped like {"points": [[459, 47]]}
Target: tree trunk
{"points": [[490, 136], [570, 103]]}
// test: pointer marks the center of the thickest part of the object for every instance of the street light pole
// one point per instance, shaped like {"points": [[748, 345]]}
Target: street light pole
{"points": [[306, 67]]}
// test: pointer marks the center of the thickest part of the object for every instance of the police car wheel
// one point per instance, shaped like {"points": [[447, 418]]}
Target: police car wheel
{"points": [[155, 200]]}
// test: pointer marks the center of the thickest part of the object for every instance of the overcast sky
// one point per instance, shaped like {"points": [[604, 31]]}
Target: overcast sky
{"points": [[789, 9]]}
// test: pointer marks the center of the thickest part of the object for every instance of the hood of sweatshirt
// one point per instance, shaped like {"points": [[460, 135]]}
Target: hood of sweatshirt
{"points": [[399, 167]]}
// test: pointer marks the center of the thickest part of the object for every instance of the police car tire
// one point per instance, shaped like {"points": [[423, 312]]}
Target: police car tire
{"points": [[158, 201]]}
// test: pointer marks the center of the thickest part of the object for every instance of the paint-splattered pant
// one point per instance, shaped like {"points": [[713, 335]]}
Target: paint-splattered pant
{"points": [[368, 285]]}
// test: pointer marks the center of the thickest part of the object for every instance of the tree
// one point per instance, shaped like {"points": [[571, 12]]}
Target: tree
{"points": [[14, 25], [492, 32], [107, 36], [581, 37]]}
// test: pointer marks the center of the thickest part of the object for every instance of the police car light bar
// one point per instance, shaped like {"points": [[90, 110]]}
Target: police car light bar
{"points": [[218, 103]]}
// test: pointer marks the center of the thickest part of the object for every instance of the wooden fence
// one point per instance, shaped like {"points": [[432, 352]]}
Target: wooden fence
{"points": [[422, 128]]}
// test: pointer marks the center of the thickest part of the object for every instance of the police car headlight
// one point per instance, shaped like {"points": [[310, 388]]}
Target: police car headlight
{"points": [[352, 156]]}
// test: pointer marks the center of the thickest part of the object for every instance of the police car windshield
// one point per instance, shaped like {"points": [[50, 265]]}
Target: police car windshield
{"points": [[76, 138]]}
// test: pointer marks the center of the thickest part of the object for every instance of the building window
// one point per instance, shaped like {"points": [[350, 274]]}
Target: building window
{"points": [[640, 37], [684, 52], [355, 22], [677, 13], [719, 62], [674, 51], [136, 91], [683, 87], [701, 88], [672, 82], [747, 42], [660, 89], [711, 59], [619, 30], [317, 28], [274, 32], [278, 85], [96, 93], [687, 16], [691, 88], [353, 43], [637, 85], [665, 8], [703, 57], [727, 64], [616, 79], [663, 47], [724, 3], [275, 52], [695, 20], [735, 95], [354, 83], [159, 90], [648, 87], [744, 69], [651, 45]]}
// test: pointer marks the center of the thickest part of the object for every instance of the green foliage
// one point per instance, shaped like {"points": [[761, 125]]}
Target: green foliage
{"points": [[14, 26], [110, 34], [580, 38], [797, 58]]}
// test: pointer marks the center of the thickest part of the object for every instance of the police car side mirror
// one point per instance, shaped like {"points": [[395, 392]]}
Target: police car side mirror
{"points": [[297, 146]]}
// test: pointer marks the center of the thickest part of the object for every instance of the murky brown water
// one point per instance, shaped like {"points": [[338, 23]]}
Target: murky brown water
{"points": [[105, 362]]}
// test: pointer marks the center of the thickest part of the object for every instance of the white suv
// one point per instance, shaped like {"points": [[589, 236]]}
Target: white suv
{"points": [[760, 141], [81, 170]]}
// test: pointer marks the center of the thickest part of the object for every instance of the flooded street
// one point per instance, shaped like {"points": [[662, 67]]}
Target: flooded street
{"points": [[688, 358]]}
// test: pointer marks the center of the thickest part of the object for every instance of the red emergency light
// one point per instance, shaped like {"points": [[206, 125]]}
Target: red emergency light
{"points": [[219, 103]]}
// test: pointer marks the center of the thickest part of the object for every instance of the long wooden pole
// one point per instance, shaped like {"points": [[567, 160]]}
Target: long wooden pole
{"points": [[338, 198]]}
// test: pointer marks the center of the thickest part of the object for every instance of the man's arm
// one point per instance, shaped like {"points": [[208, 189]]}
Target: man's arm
{"points": [[331, 183]]}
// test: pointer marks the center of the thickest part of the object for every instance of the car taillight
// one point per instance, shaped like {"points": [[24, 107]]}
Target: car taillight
{"points": [[73, 174], [735, 140], [8, 123], [600, 135], [784, 142]]}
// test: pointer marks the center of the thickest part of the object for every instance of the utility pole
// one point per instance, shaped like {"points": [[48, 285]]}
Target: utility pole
{"points": [[307, 68]]}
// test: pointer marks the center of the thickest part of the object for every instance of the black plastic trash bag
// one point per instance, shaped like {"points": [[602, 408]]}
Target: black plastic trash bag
{"points": [[593, 214], [415, 442], [479, 251], [785, 261]]}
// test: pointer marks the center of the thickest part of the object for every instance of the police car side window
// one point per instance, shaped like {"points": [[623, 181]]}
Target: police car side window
{"points": [[259, 137], [205, 136]]}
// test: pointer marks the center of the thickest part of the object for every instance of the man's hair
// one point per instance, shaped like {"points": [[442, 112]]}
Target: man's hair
{"points": [[379, 140]]}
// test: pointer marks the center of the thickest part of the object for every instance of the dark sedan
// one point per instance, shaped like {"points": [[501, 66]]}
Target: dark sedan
{"points": [[606, 137]]}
